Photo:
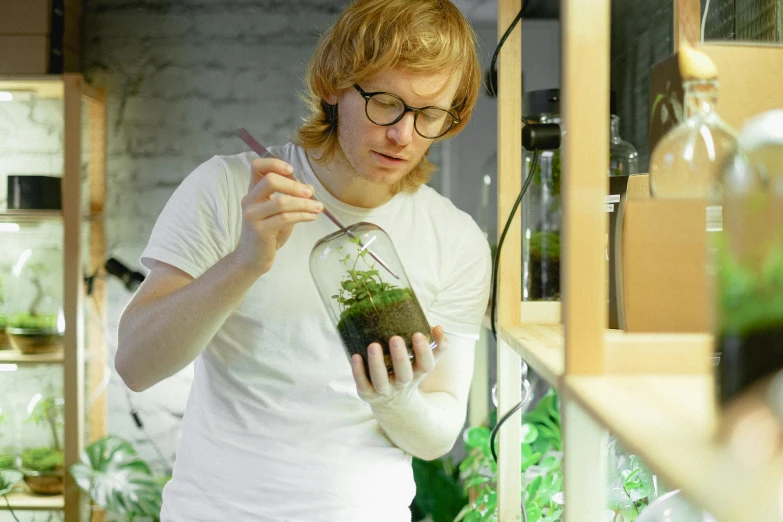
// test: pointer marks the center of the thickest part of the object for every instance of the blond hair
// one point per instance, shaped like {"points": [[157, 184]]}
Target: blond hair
{"points": [[373, 36]]}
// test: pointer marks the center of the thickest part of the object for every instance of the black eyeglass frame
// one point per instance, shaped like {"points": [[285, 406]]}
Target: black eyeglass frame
{"points": [[406, 109]]}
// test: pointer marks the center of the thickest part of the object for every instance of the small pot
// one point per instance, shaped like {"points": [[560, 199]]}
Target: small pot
{"points": [[33, 341], [45, 482], [3, 340]]}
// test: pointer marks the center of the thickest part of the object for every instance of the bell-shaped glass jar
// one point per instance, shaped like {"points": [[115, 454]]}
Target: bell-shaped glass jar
{"points": [[750, 260], [686, 162], [42, 439], [35, 302], [623, 156], [363, 285]]}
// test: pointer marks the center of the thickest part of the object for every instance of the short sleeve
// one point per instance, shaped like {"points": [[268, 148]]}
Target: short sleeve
{"points": [[462, 303], [192, 232]]}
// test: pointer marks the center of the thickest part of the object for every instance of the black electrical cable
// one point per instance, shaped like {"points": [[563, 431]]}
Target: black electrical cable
{"points": [[496, 263], [492, 65]]}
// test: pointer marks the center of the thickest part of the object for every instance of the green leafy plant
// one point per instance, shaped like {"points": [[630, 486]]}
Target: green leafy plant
{"points": [[632, 487], [33, 318], [359, 286], [9, 478], [552, 181], [373, 310], [118, 480], [542, 475], [439, 494]]}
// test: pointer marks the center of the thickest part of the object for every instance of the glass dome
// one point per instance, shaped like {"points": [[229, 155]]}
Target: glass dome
{"points": [[34, 306], [363, 285], [42, 443]]}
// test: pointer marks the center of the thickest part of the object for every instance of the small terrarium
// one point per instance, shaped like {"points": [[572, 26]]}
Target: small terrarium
{"points": [[42, 455], [363, 285], [35, 320], [7, 449]]}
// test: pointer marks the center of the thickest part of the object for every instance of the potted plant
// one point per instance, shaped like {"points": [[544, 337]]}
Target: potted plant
{"points": [[42, 466], [35, 331], [118, 480], [9, 478], [369, 301]]}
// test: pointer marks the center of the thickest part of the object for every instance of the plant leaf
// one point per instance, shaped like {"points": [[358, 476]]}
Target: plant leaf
{"points": [[8, 479]]}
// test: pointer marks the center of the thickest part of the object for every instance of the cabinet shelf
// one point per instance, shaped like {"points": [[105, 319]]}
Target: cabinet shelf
{"points": [[670, 422], [13, 357], [30, 502]]}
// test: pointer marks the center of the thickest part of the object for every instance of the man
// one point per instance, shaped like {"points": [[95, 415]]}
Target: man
{"points": [[279, 425]]}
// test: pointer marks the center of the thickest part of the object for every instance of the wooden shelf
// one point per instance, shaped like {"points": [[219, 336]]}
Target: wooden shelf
{"points": [[9, 356], [30, 502], [30, 216], [669, 421], [540, 346], [44, 86]]}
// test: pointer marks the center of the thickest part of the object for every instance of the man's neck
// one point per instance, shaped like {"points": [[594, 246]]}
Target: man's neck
{"points": [[349, 188]]}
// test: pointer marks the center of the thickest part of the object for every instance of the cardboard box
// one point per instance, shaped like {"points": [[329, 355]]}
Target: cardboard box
{"points": [[664, 264], [750, 83], [35, 55]]}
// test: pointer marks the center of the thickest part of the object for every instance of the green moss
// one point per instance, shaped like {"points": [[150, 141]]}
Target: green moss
{"points": [[42, 459], [544, 244], [3, 322], [33, 322], [6, 461]]}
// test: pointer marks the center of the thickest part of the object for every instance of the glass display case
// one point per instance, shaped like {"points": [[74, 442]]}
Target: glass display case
{"points": [[42, 460]]}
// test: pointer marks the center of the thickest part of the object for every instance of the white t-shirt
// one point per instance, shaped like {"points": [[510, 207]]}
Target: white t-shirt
{"points": [[274, 429]]}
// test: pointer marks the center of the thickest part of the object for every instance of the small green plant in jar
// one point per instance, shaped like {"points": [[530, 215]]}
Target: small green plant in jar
{"points": [[43, 465], [369, 301]]}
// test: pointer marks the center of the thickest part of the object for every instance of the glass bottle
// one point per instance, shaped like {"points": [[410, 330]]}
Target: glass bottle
{"points": [[686, 161], [35, 301], [363, 285], [623, 156], [749, 260]]}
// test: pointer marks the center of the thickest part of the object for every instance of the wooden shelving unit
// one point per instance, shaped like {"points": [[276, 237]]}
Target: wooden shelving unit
{"points": [[84, 356], [653, 392]]}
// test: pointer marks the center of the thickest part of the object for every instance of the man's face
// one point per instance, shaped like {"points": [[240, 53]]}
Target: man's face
{"points": [[385, 155]]}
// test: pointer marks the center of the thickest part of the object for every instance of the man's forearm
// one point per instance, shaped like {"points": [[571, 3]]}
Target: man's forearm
{"points": [[160, 336], [426, 425]]}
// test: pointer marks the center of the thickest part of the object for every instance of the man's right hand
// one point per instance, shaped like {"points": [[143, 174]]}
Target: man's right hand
{"points": [[274, 203]]}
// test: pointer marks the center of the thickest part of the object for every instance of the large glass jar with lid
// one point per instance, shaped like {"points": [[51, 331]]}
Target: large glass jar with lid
{"points": [[686, 161], [541, 204], [363, 285], [750, 260], [35, 301]]}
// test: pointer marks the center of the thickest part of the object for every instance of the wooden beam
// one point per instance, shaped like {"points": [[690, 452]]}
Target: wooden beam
{"points": [[687, 23], [585, 168], [96, 338], [73, 365], [510, 280]]}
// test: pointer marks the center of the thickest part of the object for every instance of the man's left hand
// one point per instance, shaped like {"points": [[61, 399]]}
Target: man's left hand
{"points": [[380, 387]]}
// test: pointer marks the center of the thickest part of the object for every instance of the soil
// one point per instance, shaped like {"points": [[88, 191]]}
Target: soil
{"points": [[543, 278], [3, 340], [34, 342], [394, 312], [747, 358]]}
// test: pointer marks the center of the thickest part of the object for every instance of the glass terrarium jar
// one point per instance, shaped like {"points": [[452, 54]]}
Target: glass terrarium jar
{"points": [[623, 156], [42, 439], [749, 260], [7, 436], [363, 285], [687, 160], [5, 272], [35, 302]]}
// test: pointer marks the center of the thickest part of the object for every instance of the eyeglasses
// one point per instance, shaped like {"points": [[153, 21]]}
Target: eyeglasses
{"points": [[384, 109]]}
